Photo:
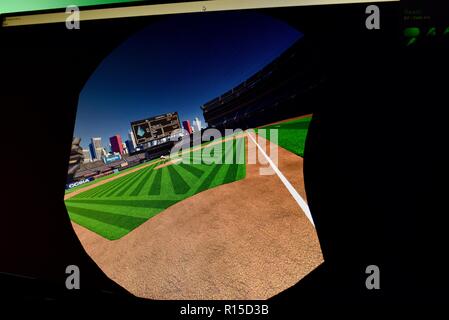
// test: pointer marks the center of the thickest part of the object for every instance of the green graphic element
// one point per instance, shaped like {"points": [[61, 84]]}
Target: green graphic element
{"points": [[432, 32], [411, 41], [10, 6], [412, 33], [446, 32]]}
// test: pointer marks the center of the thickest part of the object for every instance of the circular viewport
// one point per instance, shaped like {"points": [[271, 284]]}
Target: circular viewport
{"points": [[186, 175]]}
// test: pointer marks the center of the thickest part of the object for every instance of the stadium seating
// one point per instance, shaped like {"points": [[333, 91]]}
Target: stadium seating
{"points": [[280, 90]]}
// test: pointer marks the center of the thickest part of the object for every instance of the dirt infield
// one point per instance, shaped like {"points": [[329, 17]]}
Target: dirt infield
{"points": [[244, 240]]}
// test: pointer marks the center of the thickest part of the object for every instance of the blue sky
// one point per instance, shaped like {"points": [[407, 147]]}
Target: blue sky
{"points": [[177, 64]]}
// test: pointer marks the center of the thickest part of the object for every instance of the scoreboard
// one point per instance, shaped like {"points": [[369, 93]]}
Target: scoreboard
{"points": [[155, 128]]}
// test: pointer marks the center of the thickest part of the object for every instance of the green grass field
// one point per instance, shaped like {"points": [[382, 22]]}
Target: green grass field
{"points": [[137, 166], [115, 208], [291, 135]]}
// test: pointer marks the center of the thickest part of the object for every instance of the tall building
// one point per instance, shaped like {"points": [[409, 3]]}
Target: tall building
{"points": [[96, 148], [129, 146], [186, 126], [92, 151], [116, 144], [87, 156], [132, 140], [197, 124]]}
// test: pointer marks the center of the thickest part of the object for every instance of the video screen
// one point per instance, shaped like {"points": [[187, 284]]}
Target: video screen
{"points": [[155, 128]]}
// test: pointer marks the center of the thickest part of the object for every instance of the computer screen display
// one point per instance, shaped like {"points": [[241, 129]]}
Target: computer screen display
{"points": [[217, 150]]}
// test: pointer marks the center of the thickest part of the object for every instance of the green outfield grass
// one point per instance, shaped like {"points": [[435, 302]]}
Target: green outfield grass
{"points": [[142, 164], [115, 208], [291, 135]]}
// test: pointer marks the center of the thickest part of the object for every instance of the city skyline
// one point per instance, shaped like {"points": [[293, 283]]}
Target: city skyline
{"points": [[177, 64], [125, 137], [129, 138]]}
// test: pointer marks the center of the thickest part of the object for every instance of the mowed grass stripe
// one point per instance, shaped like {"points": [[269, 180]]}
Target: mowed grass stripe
{"points": [[134, 211], [134, 183], [125, 181], [105, 230], [145, 203], [91, 192], [209, 179], [100, 190], [125, 187], [118, 220], [144, 180], [86, 193], [180, 186], [155, 188], [238, 158], [192, 169], [95, 191], [231, 173], [137, 181], [113, 186]]}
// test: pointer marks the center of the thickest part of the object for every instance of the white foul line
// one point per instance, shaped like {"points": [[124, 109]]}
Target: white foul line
{"points": [[287, 184]]}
